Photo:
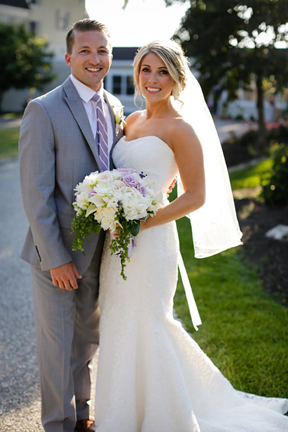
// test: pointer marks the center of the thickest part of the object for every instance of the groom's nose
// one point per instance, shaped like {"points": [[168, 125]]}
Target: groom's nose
{"points": [[94, 57]]}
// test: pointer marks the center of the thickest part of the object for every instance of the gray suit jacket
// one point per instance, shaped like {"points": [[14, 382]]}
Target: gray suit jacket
{"points": [[56, 149]]}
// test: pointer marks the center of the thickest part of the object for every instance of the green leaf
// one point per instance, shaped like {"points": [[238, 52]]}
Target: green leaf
{"points": [[135, 228]]}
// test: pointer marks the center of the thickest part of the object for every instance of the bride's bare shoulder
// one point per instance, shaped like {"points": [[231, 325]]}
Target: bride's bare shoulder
{"points": [[132, 118], [180, 131], [180, 125]]}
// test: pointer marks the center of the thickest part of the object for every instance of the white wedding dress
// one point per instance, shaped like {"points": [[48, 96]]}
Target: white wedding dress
{"points": [[152, 376]]}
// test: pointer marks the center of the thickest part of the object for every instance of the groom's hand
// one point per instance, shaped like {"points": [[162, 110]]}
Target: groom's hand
{"points": [[65, 276]]}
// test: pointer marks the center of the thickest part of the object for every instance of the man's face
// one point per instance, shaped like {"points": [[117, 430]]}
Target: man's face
{"points": [[90, 58]]}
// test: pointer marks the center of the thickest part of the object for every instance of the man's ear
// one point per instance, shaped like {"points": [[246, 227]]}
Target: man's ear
{"points": [[68, 59]]}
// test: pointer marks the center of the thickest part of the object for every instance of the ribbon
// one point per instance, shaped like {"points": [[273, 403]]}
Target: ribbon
{"points": [[196, 320]]}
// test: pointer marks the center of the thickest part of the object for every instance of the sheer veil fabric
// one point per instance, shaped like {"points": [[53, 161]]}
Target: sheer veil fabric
{"points": [[214, 226]]}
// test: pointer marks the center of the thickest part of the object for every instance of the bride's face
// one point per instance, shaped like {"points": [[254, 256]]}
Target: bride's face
{"points": [[155, 83]]}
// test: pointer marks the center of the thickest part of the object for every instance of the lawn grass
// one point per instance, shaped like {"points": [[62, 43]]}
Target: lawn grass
{"points": [[244, 331], [9, 142], [249, 177]]}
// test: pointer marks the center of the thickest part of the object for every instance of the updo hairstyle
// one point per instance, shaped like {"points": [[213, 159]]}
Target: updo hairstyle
{"points": [[174, 59]]}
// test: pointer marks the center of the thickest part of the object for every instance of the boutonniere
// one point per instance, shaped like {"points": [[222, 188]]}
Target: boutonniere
{"points": [[119, 117]]}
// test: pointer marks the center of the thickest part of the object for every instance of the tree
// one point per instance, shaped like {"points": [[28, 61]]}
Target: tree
{"points": [[234, 43], [25, 59]]}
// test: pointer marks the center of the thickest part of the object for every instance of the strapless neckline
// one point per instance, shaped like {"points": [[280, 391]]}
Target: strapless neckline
{"points": [[147, 136]]}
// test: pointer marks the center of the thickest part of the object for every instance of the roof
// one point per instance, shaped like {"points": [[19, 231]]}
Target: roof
{"points": [[15, 3], [124, 53]]}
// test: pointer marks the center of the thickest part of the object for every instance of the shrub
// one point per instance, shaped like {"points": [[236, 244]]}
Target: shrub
{"points": [[278, 134], [275, 182], [235, 154], [249, 139]]}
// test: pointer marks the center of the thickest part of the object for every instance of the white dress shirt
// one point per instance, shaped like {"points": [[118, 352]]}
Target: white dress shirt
{"points": [[86, 93]]}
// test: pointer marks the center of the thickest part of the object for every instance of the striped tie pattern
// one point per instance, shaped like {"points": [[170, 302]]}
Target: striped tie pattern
{"points": [[101, 134]]}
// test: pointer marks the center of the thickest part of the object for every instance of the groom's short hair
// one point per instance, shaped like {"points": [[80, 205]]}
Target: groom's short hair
{"points": [[83, 26]]}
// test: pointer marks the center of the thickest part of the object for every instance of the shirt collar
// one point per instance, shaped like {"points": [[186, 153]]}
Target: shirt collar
{"points": [[85, 92]]}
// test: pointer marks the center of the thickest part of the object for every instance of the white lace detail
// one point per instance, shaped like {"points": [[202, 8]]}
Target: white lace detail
{"points": [[152, 376]]}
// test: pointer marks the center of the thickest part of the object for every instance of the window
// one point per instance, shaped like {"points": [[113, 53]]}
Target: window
{"points": [[117, 84], [129, 85], [33, 26], [62, 20]]}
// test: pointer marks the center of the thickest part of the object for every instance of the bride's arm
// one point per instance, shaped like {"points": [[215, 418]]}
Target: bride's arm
{"points": [[189, 158]]}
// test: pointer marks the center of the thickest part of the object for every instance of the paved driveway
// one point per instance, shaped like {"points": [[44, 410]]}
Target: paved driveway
{"points": [[19, 392]]}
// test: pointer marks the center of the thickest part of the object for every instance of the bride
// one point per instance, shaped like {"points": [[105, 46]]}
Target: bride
{"points": [[152, 376]]}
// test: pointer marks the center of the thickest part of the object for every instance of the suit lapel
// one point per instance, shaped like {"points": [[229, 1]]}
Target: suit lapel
{"points": [[75, 104]]}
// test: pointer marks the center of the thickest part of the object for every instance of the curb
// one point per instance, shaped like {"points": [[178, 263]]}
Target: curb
{"points": [[8, 160]]}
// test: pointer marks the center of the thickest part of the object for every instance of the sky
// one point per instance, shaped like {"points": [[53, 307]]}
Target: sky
{"points": [[141, 22]]}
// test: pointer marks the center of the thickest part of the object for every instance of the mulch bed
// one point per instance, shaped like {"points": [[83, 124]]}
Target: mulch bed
{"points": [[269, 255]]}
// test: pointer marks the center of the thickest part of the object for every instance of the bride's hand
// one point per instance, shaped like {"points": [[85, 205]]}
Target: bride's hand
{"points": [[171, 187], [116, 233]]}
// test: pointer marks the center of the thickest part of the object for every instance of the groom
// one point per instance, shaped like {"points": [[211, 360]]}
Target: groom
{"points": [[65, 135]]}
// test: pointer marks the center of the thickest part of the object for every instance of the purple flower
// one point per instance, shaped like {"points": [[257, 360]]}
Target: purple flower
{"points": [[130, 180], [91, 193], [143, 191]]}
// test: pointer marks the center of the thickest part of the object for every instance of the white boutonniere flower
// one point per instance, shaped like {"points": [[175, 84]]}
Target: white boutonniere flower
{"points": [[119, 117]]}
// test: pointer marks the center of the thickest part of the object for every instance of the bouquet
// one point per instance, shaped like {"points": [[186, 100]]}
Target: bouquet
{"points": [[118, 199]]}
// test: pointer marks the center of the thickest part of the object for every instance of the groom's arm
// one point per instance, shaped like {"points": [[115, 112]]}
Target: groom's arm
{"points": [[37, 175]]}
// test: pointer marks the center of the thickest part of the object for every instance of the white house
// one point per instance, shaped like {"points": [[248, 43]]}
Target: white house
{"points": [[119, 80]]}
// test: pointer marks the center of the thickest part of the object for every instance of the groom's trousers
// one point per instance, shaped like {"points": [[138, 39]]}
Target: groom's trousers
{"points": [[67, 331]]}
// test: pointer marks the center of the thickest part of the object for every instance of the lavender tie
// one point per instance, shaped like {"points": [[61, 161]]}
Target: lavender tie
{"points": [[101, 134]]}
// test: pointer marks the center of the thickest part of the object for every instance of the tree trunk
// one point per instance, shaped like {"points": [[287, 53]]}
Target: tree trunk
{"points": [[262, 141]]}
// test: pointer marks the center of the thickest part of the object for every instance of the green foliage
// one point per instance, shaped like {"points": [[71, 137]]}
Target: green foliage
{"points": [[244, 148], [25, 59], [222, 38], [275, 182], [119, 245], [278, 134], [248, 139], [83, 226], [249, 177], [9, 142]]}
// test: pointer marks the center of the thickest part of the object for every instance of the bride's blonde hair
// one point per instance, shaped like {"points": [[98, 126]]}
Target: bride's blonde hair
{"points": [[174, 59]]}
